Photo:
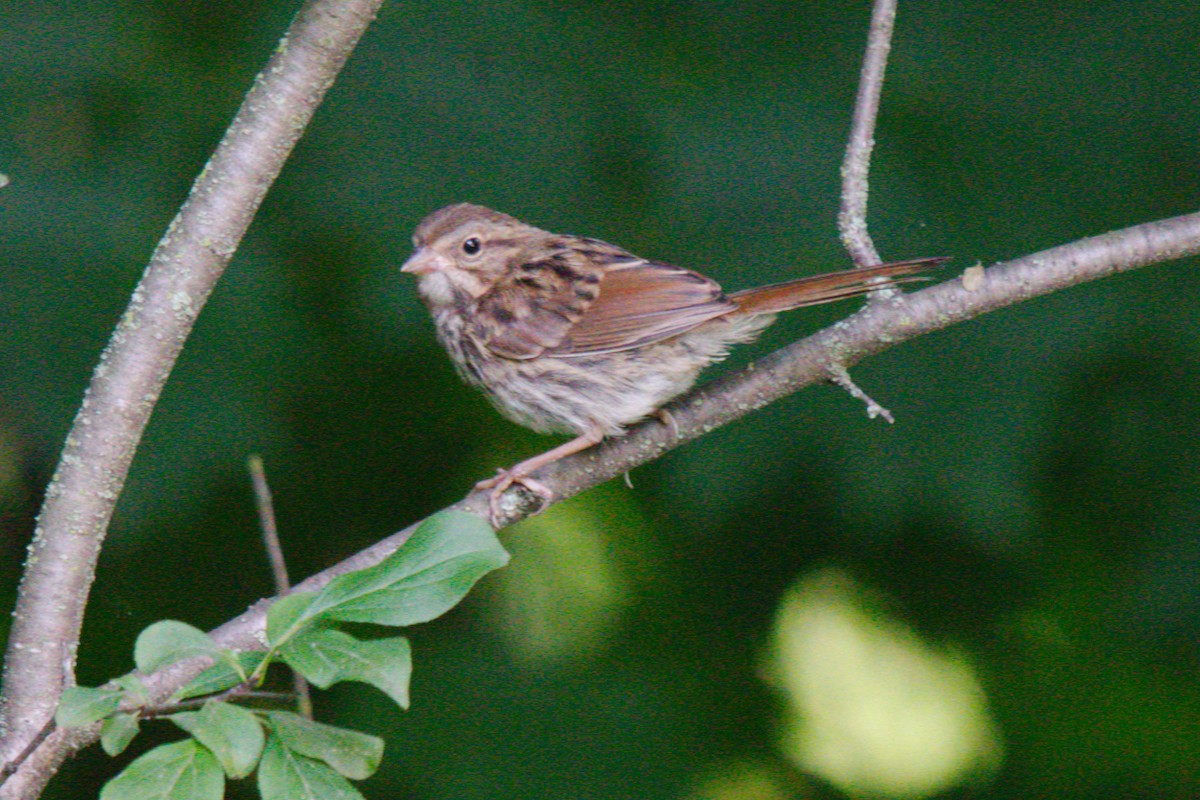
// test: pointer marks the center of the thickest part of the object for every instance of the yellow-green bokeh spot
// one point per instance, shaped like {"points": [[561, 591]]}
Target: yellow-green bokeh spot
{"points": [[870, 706]]}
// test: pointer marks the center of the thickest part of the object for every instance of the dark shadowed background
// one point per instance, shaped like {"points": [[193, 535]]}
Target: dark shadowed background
{"points": [[996, 597]]}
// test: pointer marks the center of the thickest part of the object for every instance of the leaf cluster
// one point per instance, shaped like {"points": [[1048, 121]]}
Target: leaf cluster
{"points": [[294, 757]]}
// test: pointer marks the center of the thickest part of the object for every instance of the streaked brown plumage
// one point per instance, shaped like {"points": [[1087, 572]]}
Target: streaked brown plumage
{"points": [[574, 335]]}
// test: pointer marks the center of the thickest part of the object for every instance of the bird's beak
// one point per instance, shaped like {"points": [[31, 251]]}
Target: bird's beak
{"points": [[422, 262]]}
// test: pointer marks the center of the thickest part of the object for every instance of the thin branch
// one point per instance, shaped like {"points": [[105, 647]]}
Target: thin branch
{"points": [[266, 523], [271, 543], [135, 364], [852, 218], [240, 692]]}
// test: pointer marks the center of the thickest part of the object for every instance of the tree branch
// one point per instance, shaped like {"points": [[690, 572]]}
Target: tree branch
{"points": [[134, 366], [852, 218], [877, 327]]}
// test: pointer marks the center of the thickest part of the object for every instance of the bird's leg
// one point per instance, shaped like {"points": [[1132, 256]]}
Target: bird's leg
{"points": [[505, 478]]}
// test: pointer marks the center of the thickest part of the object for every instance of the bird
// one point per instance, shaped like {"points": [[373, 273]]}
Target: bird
{"points": [[569, 334]]}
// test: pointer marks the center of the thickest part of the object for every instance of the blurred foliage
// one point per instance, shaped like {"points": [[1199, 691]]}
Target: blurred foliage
{"points": [[868, 705], [1034, 508]]}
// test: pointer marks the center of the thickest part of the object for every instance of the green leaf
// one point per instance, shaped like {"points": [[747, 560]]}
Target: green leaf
{"points": [[286, 615], [233, 734], [422, 580], [83, 705], [169, 641], [353, 754], [180, 771], [326, 656], [220, 676], [286, 775], [117, 732]]}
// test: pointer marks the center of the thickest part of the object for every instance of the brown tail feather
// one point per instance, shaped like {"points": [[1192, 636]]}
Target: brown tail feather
{"points": [[831, 286]]}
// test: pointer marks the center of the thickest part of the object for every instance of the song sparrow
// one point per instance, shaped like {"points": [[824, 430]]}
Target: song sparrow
{"points": [[573, 335]]}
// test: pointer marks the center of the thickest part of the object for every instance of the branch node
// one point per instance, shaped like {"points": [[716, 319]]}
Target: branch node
{"points": [[973, 277], [522, 499]]}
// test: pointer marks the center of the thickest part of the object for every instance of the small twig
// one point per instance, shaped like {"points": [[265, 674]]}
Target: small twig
{"points": [[270, 535], [664, 416], [841, 376], [852, 218], [242, 690], [266, 522]]}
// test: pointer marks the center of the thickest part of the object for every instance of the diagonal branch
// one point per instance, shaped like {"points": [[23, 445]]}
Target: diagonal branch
{"points": [[134, 366], [876, 328]]}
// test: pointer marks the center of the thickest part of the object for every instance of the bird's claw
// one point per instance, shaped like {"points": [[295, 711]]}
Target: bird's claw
{"points": [[500, 483]]}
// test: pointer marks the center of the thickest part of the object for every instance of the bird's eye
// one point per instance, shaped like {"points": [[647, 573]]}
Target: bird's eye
{"points": [[472, 246]]}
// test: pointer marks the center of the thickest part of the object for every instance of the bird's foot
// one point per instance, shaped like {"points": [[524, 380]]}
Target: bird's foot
{"points": [[500, 508]]}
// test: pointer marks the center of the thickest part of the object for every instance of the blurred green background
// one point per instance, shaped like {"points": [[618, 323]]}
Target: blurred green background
{"points": [[996, 597]]}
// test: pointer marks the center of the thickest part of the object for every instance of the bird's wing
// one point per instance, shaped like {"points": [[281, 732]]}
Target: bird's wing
{"points": [[642, 302], [589, 297], [534, 307]]}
